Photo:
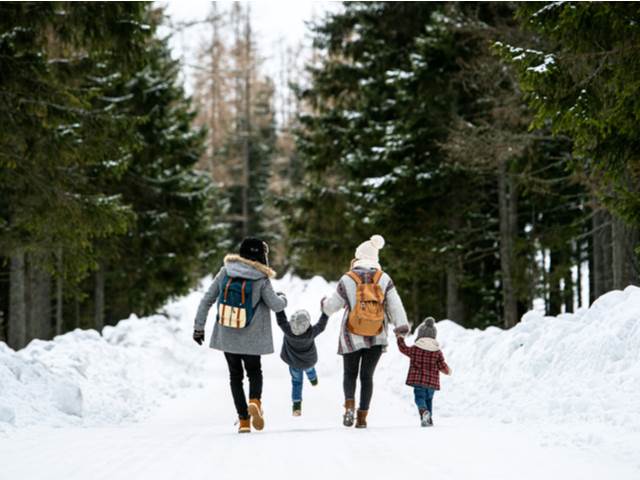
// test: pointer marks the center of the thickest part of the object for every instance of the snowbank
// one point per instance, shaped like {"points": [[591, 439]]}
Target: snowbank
{"points": [[575, 368], [582, 367], [83, 378]]}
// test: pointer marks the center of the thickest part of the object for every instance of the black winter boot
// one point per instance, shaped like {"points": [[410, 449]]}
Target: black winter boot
{"points": [[349, 413]]}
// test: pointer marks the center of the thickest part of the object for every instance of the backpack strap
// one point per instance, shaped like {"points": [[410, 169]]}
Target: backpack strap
{"points": [[244, 284], [226, 289], [354, 276]]}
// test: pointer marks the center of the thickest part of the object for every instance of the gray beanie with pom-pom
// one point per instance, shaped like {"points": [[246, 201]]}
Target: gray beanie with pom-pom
{"points": [[300, 322], [427, 329]]}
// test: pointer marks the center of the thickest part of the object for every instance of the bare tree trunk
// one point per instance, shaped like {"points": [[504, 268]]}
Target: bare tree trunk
{"points": [[59, 295], [76, 307], [633, 262], [579, 273], [555, 296], [39, 300], [214, 100], [624, 240], [546, 280], [607, 253], [597, 240], [591, 254], [508, 231], [415, 313], [618, 252], [98, 298], [454, 272], [455, 307], [568, 292], [246, 146], [17, 334]]}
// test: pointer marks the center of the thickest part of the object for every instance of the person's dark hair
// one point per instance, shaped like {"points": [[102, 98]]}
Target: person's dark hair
{"points": [[255, 249]]}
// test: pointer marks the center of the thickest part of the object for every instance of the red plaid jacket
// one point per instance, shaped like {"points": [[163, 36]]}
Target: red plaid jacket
{"points": [[425, 367]]}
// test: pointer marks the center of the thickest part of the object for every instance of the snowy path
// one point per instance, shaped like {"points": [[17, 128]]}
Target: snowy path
{"points": [[553, 398], [193, 437]]}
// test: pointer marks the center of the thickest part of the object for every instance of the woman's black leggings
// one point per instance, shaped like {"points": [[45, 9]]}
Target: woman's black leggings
{"points": [[364, 361], [236, 375]]}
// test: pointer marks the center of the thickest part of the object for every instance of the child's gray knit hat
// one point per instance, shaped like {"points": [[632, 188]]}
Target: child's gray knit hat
{"points": [[300, 322], [427, 329]]}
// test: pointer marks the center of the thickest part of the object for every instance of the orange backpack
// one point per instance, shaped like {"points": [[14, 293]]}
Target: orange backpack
{"points": [[366, 317]]}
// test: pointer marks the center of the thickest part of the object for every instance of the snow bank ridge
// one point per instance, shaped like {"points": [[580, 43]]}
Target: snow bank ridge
{"points": [[577, 367], [574, 367], [85, 378]]}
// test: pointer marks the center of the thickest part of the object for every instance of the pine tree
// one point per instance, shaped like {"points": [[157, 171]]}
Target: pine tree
{"points": [[174, 237], [56, 132], [98, 181], [417, 130], [583, 83], [370, 150]]}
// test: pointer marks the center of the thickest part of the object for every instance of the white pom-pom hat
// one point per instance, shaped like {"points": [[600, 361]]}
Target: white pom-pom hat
{"points": [[367, 252]]}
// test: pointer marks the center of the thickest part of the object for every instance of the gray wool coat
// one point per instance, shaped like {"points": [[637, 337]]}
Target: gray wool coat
{"points": [[256, 339]]}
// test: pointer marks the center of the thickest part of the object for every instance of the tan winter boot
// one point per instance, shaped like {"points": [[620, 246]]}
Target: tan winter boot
{"points": [[245, 425], [257, 415], [349, 412], [361, 422]]}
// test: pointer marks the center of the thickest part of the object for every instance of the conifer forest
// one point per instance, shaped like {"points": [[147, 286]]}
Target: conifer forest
{"points": [[494, 145]]}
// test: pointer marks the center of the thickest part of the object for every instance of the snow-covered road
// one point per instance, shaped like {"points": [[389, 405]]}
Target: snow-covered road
{"points": [[193, 437], [552, 398]]}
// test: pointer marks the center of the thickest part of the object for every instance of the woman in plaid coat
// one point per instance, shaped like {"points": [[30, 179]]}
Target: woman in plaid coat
{"points": [[427, 361]]}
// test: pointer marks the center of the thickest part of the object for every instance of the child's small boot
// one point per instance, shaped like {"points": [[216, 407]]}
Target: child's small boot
{"points": [[257, 415], [245, 425], [297, 409], [314, 381], [349, 412], [425, 417], [361, 421]]}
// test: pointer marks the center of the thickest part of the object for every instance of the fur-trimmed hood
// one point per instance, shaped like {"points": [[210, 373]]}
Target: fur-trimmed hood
{"points": [[428, 344], [237, 266]]}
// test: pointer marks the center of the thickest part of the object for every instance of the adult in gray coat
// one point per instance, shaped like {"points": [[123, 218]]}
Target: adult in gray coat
{"points": [[243, 347]]}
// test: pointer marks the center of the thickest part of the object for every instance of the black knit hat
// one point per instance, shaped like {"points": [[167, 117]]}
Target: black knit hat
{"points": [[255, 249]]}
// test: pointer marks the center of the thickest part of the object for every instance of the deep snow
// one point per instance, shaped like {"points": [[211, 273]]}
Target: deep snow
{"points": [[550, 398]]}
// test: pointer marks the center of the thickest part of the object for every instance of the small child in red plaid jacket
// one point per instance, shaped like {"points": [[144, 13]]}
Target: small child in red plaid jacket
{"points": [[427, 361]]}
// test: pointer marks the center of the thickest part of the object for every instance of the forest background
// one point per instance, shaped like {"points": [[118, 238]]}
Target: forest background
{"points": [[494, 145]]}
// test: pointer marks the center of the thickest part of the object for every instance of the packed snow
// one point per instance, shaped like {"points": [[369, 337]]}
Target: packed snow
{"points": [[550, 398]]}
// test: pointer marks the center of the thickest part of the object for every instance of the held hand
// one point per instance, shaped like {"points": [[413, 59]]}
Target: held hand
{"points": [[401, 331], [198, 336]]}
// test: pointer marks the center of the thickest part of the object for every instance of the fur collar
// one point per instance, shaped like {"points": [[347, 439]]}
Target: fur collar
{"points": [[428, 344], [233, 257]]}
